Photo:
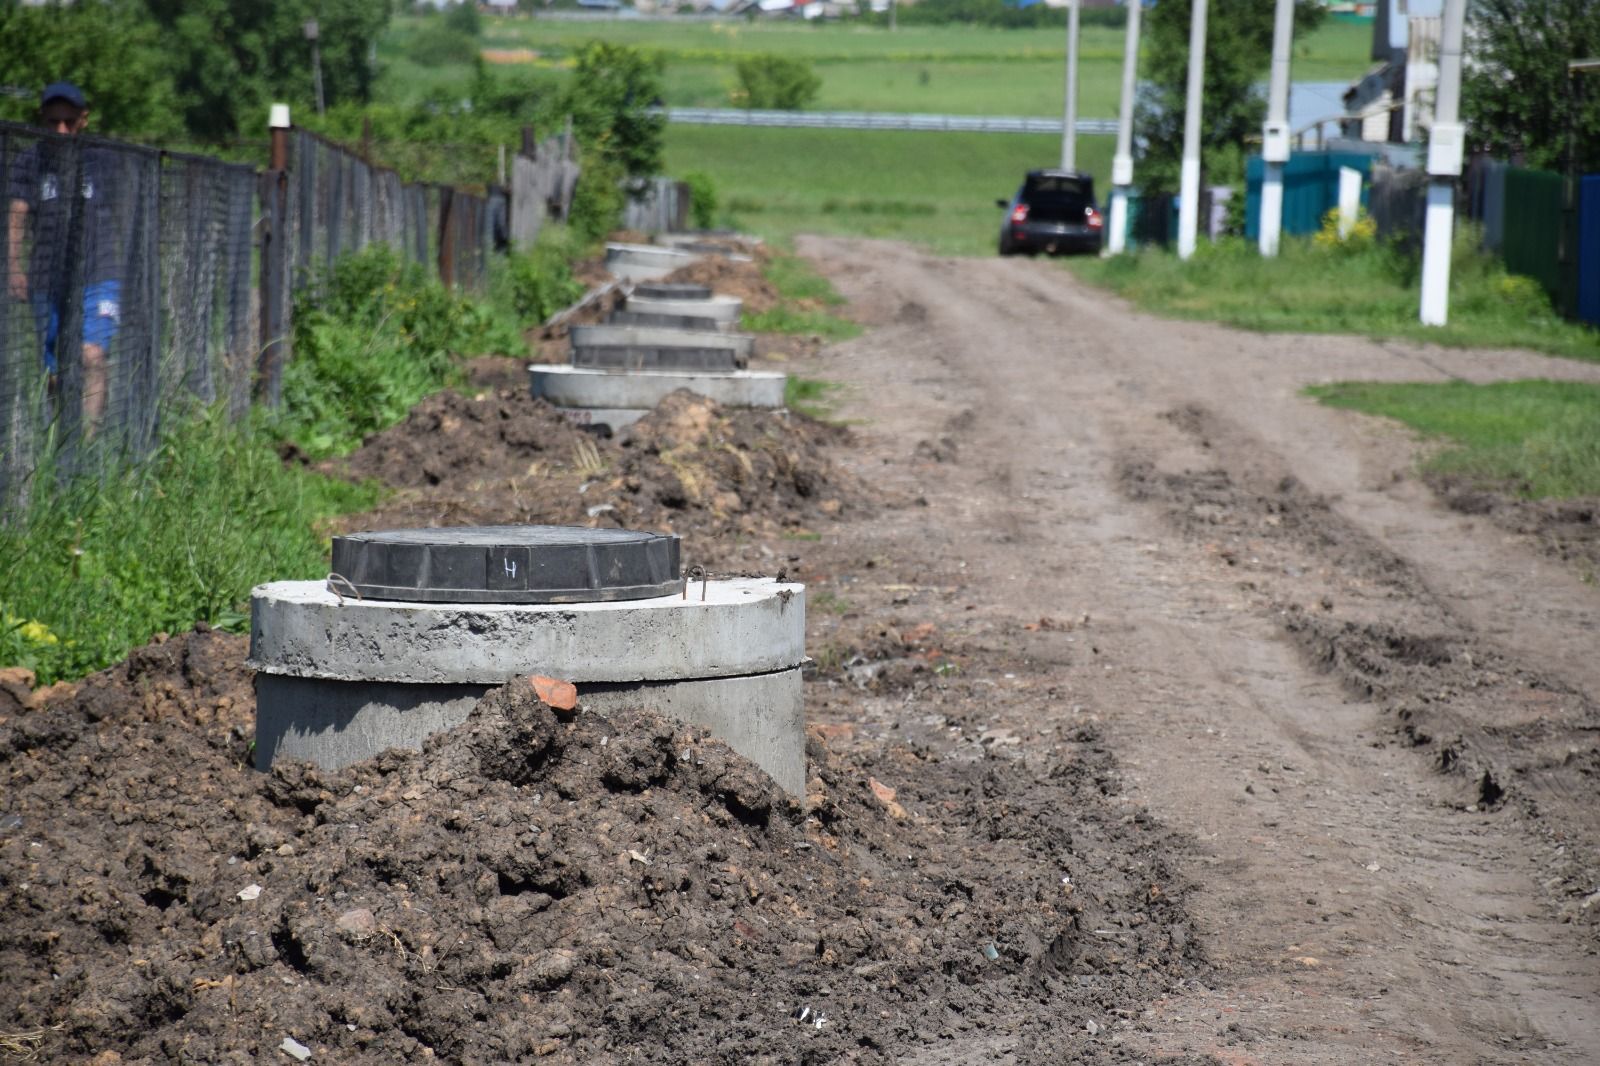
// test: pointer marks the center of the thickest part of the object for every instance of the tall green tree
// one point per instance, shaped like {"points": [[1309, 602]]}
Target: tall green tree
{"points": [[229, 59], [108, 48], [1518, 99], [1238, 56], [612, 90]]}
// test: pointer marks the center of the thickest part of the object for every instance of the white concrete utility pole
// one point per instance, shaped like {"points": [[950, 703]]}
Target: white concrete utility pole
{"points": [[1189, 185], [1444, 166], [1069, 120], [1122, 162], [1275, 132]]}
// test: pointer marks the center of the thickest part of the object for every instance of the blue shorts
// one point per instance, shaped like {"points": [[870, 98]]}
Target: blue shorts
{"points": [[102, 312]]}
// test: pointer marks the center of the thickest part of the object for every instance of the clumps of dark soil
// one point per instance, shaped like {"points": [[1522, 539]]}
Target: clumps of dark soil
{"points": [[449, 437], [580, 889], [1211, 505], [1568, 530], [730, 277], [694, 465], [1375, 660], [690, 467]]}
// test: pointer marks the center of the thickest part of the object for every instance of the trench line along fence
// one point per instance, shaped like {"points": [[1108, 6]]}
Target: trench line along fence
{"points": [[141, 282]]}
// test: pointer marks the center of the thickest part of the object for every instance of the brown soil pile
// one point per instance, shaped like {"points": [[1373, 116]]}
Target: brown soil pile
{"points": [[690, 467], [450, 437], [693, 465], [591, 889], [728, 277]]}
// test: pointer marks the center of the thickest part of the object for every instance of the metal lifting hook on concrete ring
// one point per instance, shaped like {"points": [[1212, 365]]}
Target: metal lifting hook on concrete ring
{"points": [[696, 573], [335, 580]]}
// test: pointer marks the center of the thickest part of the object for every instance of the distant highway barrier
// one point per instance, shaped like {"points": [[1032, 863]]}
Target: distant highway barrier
{"points": [[880, 120]]}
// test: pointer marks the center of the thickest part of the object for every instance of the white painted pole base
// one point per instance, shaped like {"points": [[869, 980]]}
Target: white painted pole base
{"points": [[1117, 239], [1349, 200], [1436, 242], [1188, 208], [1271, 210]]}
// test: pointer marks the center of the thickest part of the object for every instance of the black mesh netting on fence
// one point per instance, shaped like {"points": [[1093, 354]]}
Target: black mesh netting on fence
{"points": [[134, 287], [128, 292], [339, 203]]}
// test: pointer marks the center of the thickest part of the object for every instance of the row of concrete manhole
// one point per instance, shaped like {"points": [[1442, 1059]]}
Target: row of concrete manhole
{"points": [[664, 337], [412, 627]]}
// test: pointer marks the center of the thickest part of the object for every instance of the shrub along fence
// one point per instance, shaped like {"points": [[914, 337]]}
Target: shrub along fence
{"points": [[1546, 226], [1310, 189], [140, 281], [1542, 225]]}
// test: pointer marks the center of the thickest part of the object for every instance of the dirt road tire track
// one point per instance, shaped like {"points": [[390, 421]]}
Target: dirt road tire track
{"points": [[1375, 717]]}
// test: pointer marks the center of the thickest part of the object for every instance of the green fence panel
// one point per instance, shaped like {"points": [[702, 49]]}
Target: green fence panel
{"points": [[1533, 221]]}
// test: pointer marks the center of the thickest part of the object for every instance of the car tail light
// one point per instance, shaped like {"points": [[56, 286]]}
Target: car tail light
{"points": [[1019, 213], [1095, 220]]}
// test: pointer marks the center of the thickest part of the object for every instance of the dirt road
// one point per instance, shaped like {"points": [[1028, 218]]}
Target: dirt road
{"points": [[1370, 720]]}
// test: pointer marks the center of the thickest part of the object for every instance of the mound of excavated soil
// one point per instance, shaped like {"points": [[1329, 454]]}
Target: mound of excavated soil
{"points": [[449, 437], [728, 277], [586, 889], [691, 467]]}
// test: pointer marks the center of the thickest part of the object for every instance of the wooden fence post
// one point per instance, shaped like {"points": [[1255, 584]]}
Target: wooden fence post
{"points": [[447, 234], [274, 261]]}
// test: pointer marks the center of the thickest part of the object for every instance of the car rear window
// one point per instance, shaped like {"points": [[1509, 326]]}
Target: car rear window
{"points": [[1058, 186]]}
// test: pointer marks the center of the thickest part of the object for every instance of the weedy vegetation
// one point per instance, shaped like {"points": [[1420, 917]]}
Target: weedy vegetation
{"points": [[1360, 286], [93, 565]]}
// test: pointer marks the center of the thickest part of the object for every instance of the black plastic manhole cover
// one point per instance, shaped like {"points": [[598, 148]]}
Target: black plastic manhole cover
{"points": [[662, 321], [658, 290], [505, 564], [656, 357]]}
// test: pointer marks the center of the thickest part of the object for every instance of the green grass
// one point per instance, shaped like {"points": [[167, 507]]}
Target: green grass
{"points": [[93, 566], [949, 69], [806, 301], [937, 189], [1374, 292], [810, 396], [1539, 439], [91, 569]]}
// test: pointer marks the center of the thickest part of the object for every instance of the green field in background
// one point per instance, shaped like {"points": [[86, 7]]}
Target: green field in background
{"points": [[957, 87], [954, 69], [937, 189]]}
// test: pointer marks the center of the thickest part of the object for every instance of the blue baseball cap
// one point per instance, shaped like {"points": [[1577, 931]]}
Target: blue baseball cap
{"points": [[64, 90]]}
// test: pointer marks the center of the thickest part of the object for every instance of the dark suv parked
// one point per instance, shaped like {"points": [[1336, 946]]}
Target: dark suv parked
{"points": [[1053, 212]]}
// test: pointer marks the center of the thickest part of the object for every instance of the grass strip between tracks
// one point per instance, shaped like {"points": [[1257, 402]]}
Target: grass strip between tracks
{"points": [[1539, 439], [1316, 288]]}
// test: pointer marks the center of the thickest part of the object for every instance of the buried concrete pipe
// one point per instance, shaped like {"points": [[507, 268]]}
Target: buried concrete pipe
{"points": [[658, 348], [645, 262], [722, 309], [342, 676], [587, 387]]}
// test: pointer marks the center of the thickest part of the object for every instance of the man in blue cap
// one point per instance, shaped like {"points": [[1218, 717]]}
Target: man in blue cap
{"points": [[58, 193]]}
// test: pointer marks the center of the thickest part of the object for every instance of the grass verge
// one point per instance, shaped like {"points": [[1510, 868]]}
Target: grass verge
{"points": [[1536, 439], [95, 567], [807, 298], [1371, 290]]}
